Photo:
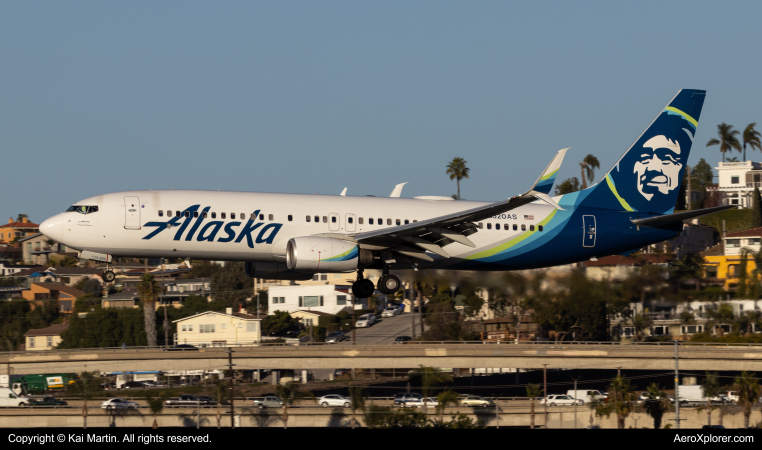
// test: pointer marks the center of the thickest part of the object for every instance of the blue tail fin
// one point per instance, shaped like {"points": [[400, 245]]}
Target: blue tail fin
{"points": [[647, 178]]}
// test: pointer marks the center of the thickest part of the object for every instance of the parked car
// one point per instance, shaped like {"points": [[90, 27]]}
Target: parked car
{"points": [[366, 320], [335, 336], [119, 403], [334, 400], [268, 401], [476, 401], [391, 312], [47, 401], [402, 339], [181, 348], [561, 400], [340, 372], [401, 399], [133, 385]]}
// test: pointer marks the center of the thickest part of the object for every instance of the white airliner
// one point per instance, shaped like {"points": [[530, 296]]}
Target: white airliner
{"points": [[293, 236]]}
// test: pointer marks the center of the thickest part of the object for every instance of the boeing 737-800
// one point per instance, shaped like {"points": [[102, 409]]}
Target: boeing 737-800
{"points": [[291, 236]]}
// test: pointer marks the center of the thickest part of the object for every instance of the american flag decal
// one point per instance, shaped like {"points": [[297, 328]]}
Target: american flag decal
{"points": [[528, 217]]}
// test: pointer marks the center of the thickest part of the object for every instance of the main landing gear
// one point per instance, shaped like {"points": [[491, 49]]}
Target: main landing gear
{"points": [[363, 287], [388, 284], [109, 275]]}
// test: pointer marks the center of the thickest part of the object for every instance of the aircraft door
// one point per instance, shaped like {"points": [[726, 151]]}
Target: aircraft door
{"points": [[588, 230], [351, 222], [333, 221], [131, 213]]}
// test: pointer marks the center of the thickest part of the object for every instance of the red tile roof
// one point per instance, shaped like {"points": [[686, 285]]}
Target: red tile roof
{"points": [[20, 225], [751, 232]]}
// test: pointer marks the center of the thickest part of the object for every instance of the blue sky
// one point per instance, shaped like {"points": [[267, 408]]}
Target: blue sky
{"points": [[308, 97]]}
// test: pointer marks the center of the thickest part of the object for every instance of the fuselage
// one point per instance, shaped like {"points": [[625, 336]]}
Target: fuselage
{"points": [[251, 226]]}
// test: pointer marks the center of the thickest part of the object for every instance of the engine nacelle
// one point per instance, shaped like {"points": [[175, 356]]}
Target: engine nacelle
{"points": [[321, 254], [273, 271]]}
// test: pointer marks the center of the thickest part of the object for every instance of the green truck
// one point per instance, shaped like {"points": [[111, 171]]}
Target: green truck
{"points": [[40, 383]]}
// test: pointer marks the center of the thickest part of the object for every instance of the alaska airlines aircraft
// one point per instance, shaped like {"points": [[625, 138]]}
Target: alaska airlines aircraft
{"points": [[291, 236]]}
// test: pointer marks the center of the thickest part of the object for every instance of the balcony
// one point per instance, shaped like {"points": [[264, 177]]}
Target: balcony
{"points": [[42, 250]]}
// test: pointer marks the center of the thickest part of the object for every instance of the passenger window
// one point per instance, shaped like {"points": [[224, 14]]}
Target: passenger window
{"points": [[187, 213], [523, 227], [204, 214], [261, 217], [317, 219], [290, 218], [515, 227], [397, 222], [161, 213], [388, 221], [308, 218], [349, 220], [489, 226], [195, 213], [497, 226], [333, 219], [539, 227], [325, 219], [506, 227], [370, 221], [252, 216], [214, 215], [359, 220], [480, 225], [243, 216], [407, 221], [415, 221], [232, 216], [178, 214], [222, 215], [270, 217], [169, 213], [531, 227], [380, 221]]}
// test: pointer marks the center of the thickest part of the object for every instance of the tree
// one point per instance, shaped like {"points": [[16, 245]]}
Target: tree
{"points": [[444, 399], [756, 215], [747, 387], [61, 261], [587, 168], [149, 291], [751, 138], [278, 323], [701, 178], [289, 393], [156, 405], [357, 398], [533, 392], [567, 186], [728, 139], [624, 397], [457, 170], [656, 404], [640, 322], [427, 378], [710, 388], [221, 392], [86, 386], [230, 285]]}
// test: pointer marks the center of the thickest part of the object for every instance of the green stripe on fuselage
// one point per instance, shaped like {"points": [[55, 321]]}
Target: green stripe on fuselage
{"points": [[512, 242]]}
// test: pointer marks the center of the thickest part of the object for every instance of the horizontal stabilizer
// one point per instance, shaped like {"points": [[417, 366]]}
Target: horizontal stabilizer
{"points": [[669, 219]]}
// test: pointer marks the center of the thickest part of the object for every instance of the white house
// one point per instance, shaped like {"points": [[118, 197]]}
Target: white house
{"points": [[216, 329], [330, 298], [736, 182], [736, 241]]}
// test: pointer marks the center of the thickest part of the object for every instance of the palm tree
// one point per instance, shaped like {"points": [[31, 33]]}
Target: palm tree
{"points": [[728, 139], [640, 322], [710, 388], [289, 393], [457, 170], [656, 404], [149, 292], [427, 378], [534, 391], [86, 386], [444, 399], [156, 405], [748, 393], [751, 137], [587, 167], [357, 398], [220, 391], [624, 397]]}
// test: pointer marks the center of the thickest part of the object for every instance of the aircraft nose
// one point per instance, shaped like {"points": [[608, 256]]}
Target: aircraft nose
{"points": [[53, 227]]}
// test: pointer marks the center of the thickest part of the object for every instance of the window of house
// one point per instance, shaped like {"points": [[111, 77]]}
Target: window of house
{"points": [[734, 202], [733, 243], [627, 331], [290, 217], [222, 215], [184, 328], [370, 221], [206, 328], [31, 342], [752, 241], [251, 327], [223, 326], [161, 214], [190, 327], [341, 300], [316, 277], [311, 301], [734, 180], [50, 341], [323, 276]]}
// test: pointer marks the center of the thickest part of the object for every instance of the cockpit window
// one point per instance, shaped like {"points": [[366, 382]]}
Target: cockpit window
{"points": [[83, 209]]}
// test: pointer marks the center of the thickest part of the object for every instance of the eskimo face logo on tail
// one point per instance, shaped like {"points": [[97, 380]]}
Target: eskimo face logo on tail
{"points": [[658, 169], [266, 233]]}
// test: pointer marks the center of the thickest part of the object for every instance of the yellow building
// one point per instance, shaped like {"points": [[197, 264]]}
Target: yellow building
{"points": [[216, 329], [44, 338], [13, 230], [726, 268]]}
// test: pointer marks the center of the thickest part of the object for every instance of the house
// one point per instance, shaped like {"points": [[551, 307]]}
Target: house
{"points": [[37, 249], [174, 292], [723, 262], [14, 229], [7, 270], [11, 253], [216, 329], [44, 338], [736, 182], [330, 298], [307, 318], [65, 295], [618, 267]]}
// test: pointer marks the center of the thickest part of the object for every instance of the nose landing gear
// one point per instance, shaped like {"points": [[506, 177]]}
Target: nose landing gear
{"points": [[363, 287]]}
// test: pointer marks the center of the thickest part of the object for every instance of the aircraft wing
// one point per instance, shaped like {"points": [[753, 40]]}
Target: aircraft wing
{"points": [[432, 234]]}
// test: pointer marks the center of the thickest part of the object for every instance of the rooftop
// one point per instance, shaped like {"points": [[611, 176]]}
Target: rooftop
{"points": [[751, 232], [53, 330], [61, 288]]}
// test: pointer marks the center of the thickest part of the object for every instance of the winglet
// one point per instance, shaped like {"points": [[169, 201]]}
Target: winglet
{"points": [[546, 198], [344, 192], [544, 184], [397, 190]]}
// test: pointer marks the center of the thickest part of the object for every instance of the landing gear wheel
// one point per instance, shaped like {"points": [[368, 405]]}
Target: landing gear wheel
{"points": [[388, 284], [108, 276], [363, 288]]}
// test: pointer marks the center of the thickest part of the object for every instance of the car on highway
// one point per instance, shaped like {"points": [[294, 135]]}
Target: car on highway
{"points": [[119, 403], [431, 402], [335, 336], [561, 400], [340, 372], [47, 401], [476, 401], [133, 385], [181, 348], [366, 320], [403, 398], [391, 312], [402, 339], [268, 401], [334, 400]]}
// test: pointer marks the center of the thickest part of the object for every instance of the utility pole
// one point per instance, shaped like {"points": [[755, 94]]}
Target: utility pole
{"points": [[677, 388], [232, 389], [545, 391], [420, 310], [412, 316], [354, 335]]}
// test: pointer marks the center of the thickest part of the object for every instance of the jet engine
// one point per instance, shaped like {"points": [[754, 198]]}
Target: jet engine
{"points": [[273, 271], [321, 254]]}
